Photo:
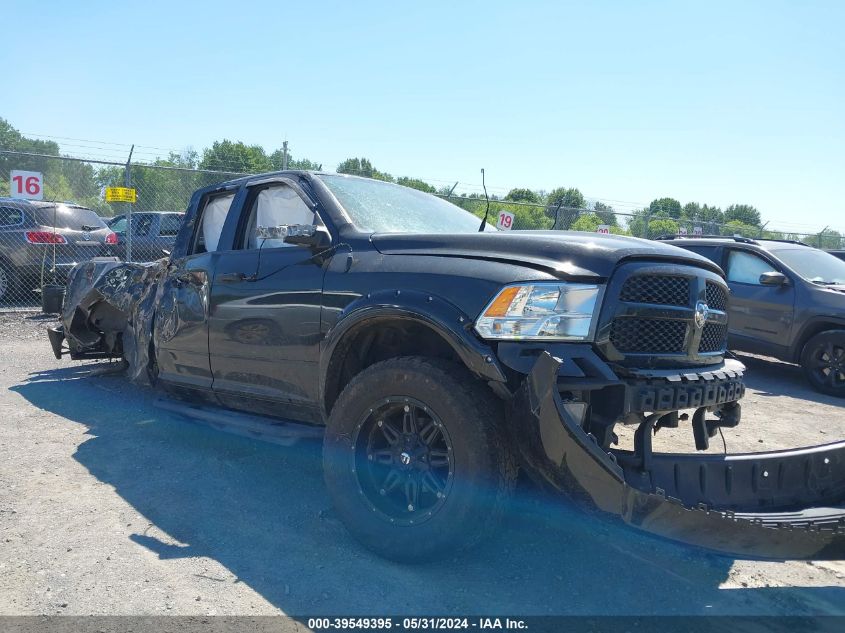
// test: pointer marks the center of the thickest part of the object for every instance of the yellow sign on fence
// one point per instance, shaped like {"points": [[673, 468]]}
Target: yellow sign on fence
{"points": [[120, 194]]}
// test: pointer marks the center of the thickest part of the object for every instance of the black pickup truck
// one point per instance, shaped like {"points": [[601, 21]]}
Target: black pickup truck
{"points": [[438, 356]]}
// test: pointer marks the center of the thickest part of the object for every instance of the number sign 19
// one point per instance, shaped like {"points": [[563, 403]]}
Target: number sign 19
{"points": [[505, 221], [27, 184]]}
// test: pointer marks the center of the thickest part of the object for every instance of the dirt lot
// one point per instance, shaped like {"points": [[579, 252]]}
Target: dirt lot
{"points": [[111, 506]]}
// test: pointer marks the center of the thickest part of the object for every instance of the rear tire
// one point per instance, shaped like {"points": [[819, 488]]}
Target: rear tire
{"points": [[823, 362], [415, 459]]}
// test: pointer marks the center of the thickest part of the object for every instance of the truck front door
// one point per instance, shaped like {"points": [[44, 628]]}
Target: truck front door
{"points": [[266, 295]]}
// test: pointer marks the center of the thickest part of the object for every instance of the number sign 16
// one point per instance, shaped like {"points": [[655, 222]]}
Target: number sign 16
{"points": [[27, 184]]}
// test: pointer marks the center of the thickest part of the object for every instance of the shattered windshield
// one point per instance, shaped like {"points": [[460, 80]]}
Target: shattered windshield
{"points": [[814, 265], [383, 207]]}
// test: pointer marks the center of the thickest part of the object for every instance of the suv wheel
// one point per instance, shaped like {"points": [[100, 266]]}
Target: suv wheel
{"points": [[8, 283], [823, 361], [414, 458]]}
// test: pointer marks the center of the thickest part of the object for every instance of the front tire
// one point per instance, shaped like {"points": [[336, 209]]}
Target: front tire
{"points": [[823, 362], [414, 459]]}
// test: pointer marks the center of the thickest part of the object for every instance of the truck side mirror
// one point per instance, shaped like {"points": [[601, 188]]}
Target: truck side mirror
{"points": [[774, 278], [308, 235], [297, 234]]}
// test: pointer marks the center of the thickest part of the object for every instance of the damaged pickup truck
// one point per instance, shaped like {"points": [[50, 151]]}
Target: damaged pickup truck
{"points": [[437, 357]]}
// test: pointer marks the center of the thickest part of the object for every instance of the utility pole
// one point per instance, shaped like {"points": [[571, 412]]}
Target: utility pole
{"points": [[284, 155], [127, 182]]}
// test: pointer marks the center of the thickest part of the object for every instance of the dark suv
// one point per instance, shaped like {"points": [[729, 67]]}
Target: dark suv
{"points": [[787, 301], [36, 237]]}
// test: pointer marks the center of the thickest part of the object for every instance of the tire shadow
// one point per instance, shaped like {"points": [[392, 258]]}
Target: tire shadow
{"points": [[262, 511]]}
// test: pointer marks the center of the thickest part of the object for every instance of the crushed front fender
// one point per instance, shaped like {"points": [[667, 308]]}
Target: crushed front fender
{"points": [[108, 312], [777, 505]]}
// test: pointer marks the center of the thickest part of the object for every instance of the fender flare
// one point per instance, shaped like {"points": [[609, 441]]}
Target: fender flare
{"points": [[438, 314], [809, 326]]}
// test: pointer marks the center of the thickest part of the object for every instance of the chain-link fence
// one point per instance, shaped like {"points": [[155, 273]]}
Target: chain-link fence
{"points": [[53, 214]]}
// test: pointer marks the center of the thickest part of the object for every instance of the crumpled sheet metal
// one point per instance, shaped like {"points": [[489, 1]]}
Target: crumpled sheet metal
{"points": [[570, 461], [134, 289]]}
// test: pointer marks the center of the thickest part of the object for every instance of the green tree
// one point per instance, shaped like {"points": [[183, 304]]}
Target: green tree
{"points": [[236, 158], [605, 213], [563, 206], [592, 221], [522, 195], [744, 213], [829, 240], [277, 160], [662, 226], [669, 206], [362, 167], [735, 227], [416, 183]]}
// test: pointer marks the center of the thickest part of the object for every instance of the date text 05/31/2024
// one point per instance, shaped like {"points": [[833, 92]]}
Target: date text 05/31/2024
{"points": [[432, 623]]}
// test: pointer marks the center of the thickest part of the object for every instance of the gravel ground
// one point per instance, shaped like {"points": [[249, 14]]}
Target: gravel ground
{"points": [[110, 506]]}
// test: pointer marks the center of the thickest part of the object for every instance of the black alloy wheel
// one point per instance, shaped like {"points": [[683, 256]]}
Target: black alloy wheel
{"points": [[403, 460], [823, 361]]}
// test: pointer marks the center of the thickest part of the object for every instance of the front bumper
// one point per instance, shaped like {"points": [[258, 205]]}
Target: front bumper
{"points": [[778, 505]]}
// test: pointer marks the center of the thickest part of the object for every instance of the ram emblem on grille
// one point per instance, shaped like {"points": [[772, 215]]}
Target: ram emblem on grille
{"points": [[702, 313]]}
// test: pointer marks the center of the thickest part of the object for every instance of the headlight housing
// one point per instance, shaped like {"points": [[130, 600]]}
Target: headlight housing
{"points": [[541, 312]]}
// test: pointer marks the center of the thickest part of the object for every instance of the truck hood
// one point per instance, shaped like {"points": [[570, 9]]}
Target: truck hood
{"points": [[565, 253]]}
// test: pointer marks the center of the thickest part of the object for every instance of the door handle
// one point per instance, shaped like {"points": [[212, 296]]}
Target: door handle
{"points": [[231, 277]]}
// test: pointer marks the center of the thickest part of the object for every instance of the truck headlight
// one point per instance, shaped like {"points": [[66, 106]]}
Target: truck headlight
{"points": [[540, 311]]}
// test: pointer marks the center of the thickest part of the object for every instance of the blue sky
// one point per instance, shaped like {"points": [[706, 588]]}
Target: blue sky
{"points": [[715, 102]]}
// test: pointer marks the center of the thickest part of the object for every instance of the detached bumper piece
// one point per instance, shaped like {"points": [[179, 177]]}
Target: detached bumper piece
{"points": [[777, 505]]}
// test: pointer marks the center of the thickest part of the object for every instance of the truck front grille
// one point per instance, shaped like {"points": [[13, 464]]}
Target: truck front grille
{"points": [[713, 338], [716, 297], [643, 336], [666, 289], [652, 315]]}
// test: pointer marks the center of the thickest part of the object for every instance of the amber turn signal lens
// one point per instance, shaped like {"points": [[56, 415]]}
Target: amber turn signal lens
{"points": [[501, 303]]}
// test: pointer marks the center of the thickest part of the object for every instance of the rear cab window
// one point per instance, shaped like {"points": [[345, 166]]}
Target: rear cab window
{"points": [[210, 223]]}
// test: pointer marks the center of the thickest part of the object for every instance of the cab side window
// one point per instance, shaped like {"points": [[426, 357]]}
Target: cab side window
{"points": [[169, 224], [746, 268], [275, 206], [211, 221], [141, 225]]}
